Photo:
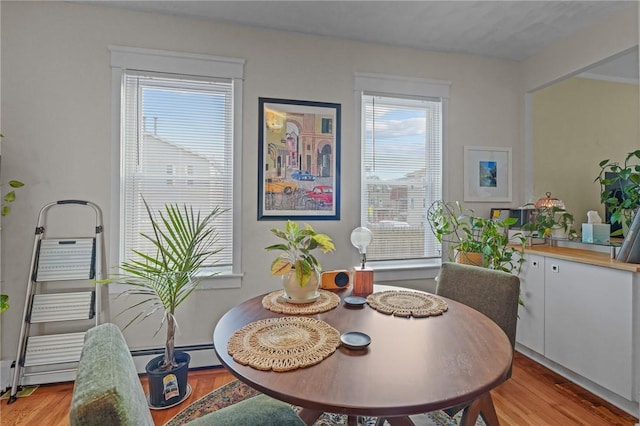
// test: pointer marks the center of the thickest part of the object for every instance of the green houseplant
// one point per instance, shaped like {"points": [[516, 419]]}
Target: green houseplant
{"points": [[620, 189], [4, 302], [296, 262], [547, 220], [464, 233], [183, 240], [7, 199]]}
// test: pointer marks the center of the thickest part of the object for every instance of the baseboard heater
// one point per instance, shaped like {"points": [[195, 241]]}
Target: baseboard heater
{"points": [[202, 356]]}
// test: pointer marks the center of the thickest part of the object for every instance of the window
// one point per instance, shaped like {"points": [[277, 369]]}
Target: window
{"points": [[401, 160], [177, 127]]}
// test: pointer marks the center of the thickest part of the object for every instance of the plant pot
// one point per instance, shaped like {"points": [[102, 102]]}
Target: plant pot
{"points": [[295, 293], [559, 232], [168, 388], [468, 258]]}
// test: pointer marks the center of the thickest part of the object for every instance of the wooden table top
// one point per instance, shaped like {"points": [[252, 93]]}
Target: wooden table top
{"points": [[413, 365]]}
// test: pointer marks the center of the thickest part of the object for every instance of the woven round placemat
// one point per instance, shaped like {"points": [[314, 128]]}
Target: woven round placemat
{"points": [[283, 344], [275, 302], [403, 303]]}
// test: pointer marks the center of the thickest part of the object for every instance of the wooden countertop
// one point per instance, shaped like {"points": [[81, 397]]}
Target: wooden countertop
{"points": [[582, 256]]}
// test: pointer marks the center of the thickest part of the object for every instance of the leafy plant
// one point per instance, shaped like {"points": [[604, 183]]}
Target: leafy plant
{"points": [[545, 219], [4, 302], [8, 198], [620, 190], [463, 231], [296, 251], [183, 241]]}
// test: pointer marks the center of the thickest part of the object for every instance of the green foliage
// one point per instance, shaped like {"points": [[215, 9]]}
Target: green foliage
{"points": [[463, 231], [626, 182], [183, 241], [545, 219], [8, 198], [296, 251], [4, 302]]}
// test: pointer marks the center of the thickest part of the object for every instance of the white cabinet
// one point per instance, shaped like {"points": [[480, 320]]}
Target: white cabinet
{"points": [[588, 322], [583, 317], [530, 332]]}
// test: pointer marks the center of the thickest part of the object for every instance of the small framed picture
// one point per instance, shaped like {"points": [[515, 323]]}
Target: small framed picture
{"points": [[487, 173]]}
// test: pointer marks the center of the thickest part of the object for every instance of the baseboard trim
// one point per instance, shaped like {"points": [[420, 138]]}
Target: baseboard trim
{"points": [[6, 374], [202, 356]]}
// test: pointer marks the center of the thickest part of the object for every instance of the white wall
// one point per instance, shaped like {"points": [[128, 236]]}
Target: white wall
{"points": [[55, 108], [56, 94], [590, 46], [613, 35]]}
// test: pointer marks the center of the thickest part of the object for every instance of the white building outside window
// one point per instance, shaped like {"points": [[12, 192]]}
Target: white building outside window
{"points": [[402, 142]]}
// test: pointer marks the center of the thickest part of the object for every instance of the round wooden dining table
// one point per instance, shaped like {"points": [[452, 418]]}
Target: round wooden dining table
{"points": [[412, 365]]}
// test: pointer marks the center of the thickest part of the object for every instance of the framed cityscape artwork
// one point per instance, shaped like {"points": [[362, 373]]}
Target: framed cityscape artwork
{"points": [[299, 160]]}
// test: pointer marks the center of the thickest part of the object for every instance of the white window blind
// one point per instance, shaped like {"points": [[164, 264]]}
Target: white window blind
{"points": [[177, 147], [402, 174]]}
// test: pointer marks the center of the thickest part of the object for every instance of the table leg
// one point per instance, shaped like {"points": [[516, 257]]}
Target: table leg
{"points": [[309, 416], [483, 405], [400, 421]]}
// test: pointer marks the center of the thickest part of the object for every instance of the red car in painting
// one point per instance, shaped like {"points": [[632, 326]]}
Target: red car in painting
{"points": [[321, 195]]}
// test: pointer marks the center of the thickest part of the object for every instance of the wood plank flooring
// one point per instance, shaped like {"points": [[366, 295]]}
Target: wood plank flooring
{"points": [[534, 396]]}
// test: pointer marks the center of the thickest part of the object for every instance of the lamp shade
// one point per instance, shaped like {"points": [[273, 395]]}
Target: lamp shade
{"points": [[549, 202]]}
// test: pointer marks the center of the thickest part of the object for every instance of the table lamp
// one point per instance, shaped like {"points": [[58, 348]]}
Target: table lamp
{"points": [[362, 278]]}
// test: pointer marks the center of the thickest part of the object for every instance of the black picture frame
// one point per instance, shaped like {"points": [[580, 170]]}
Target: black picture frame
{"points": [[298, 160]]}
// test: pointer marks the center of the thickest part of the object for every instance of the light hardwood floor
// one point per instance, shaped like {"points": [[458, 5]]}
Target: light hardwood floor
{"points": [[533, 396]]}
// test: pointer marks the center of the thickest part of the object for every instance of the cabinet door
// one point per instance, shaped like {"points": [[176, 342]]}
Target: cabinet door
{"points": [[588, 326], [530, 331]]}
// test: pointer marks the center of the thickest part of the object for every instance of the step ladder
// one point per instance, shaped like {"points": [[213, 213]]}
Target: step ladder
{"points": [[61, 295]]}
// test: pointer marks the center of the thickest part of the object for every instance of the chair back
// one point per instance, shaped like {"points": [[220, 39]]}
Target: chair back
{"points": [[493, 293]]}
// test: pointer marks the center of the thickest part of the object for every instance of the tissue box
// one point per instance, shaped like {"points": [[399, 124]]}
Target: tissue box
{"points": [[598, 233]]}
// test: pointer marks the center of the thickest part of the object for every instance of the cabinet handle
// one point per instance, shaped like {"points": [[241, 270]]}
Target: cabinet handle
{"points": [[534, 263], [555, 268]]}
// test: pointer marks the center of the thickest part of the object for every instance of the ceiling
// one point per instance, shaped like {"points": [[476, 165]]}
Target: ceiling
{"points": [[500, 29]]}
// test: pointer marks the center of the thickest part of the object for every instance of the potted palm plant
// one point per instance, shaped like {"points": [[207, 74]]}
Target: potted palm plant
{"points": [[298, 266], [476, 240], [183, 241], [620, 189]]}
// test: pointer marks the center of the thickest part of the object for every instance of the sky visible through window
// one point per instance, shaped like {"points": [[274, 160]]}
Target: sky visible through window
{"points": [[196, 119], [191, 119], [400, 132]]}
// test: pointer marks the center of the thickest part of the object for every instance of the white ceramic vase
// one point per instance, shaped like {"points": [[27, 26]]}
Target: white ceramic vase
{"points": [[295, 293], [558, 232]]}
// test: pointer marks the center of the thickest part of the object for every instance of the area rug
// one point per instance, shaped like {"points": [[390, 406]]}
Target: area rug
{"points": [[237, 391]]}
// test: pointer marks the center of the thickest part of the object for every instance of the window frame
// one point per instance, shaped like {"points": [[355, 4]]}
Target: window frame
{"points": [[398, 86], [186, 64]]}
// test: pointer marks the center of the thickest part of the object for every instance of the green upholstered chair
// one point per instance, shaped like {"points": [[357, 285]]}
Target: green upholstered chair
{"points": [[107, 391], [493, 293]]}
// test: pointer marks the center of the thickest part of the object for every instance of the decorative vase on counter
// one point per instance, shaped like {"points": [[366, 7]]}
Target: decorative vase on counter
{"points": [[300, 294], [558, 231]]}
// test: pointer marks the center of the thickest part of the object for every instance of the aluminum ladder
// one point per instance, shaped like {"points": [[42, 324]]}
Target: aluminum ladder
{"points": [[62, 299]]}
